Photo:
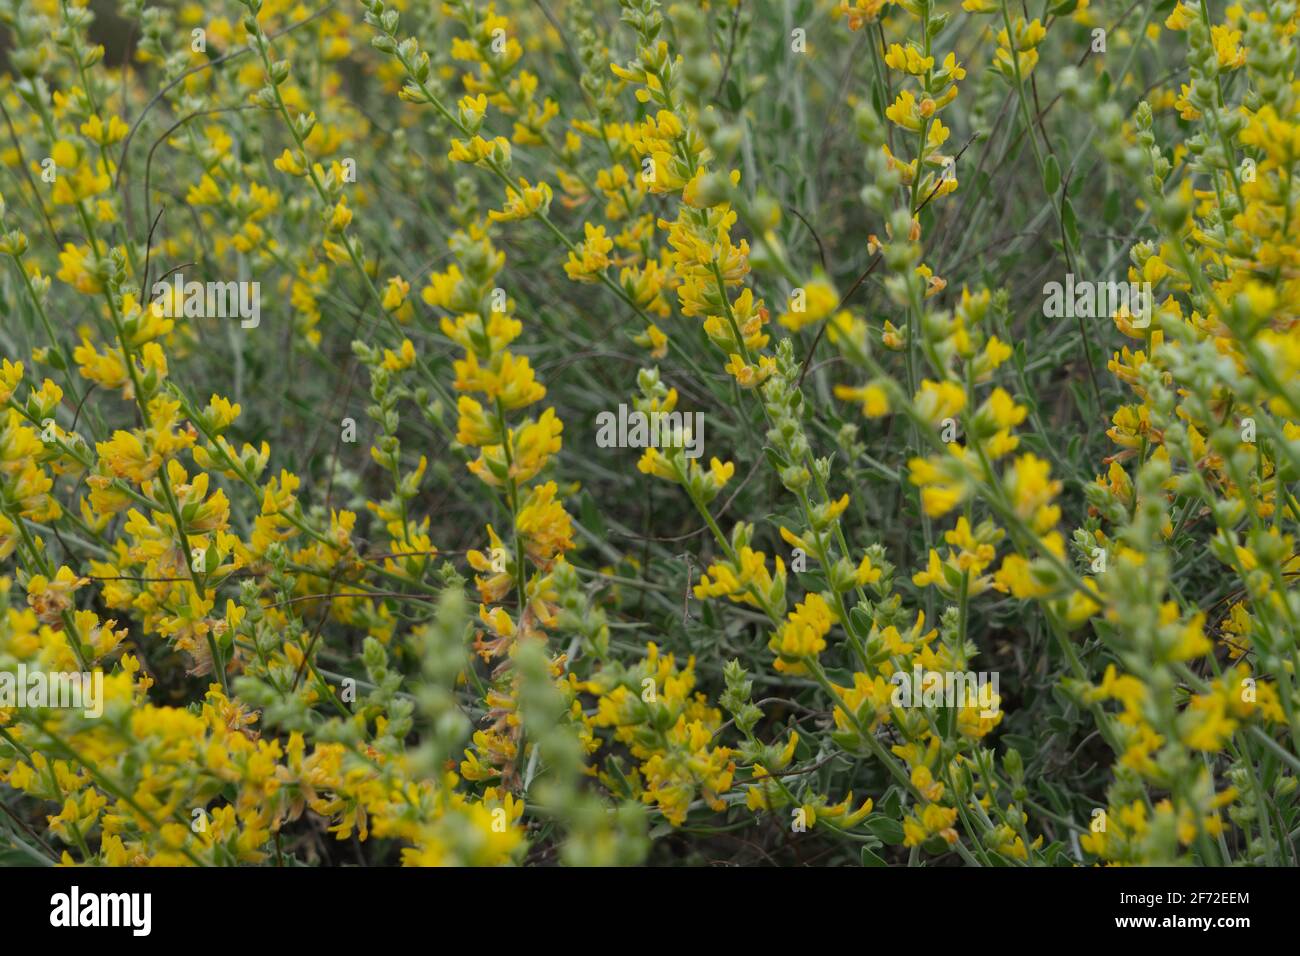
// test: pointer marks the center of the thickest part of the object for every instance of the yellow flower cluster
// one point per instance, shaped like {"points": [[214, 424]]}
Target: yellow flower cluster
{"points": [[305, 334]]}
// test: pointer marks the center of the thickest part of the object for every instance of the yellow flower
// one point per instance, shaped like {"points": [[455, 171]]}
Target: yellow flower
{"points": [[874, 399], [909, 60], [206, 193], [1031, 491], [76, 269], [592, 257], [933, 820], [939, 400], [544, 526], [404, 358], [480, 151], [802, 635], [395, 293], [524, 202], [810, 304], [290, 163], [11, 373], [340, 217]]}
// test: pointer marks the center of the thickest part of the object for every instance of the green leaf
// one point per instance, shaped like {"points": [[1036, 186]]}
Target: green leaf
{"points": [[733, 98], [14, 857], [1026, 745], [1060, 725], [591, 517], [1051, 175], [775, 458], [1110, 207], [887, 830], [1057, 854], [870, 859], [846, 740], [1070, 222], [935, 846]]}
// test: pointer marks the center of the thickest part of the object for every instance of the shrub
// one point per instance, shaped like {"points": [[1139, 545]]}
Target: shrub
{"points": [[868, 431]]}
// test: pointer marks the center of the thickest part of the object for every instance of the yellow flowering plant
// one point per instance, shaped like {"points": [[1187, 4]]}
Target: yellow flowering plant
{"points": [[504, 433]]}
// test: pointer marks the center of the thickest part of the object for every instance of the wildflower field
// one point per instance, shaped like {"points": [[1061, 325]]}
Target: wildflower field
{"points": [[618, 432]]}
